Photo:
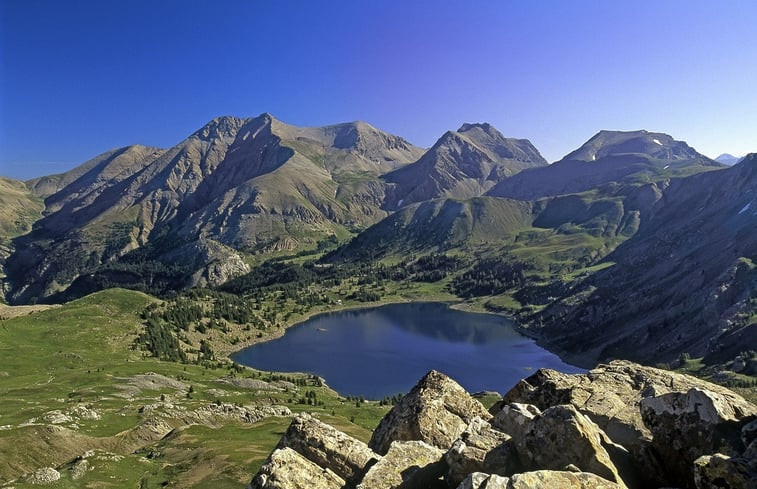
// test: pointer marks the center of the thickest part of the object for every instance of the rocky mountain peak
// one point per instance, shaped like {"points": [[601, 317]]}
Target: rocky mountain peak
{"points": [[614, 143], [219, 128]]}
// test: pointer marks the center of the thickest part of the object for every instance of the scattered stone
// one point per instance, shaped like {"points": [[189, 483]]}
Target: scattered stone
{"points": [[56, 417], [328, 447], [480, 448], [85, 412], [287, 469], [43, 476], [407, 464], [437, 410]]}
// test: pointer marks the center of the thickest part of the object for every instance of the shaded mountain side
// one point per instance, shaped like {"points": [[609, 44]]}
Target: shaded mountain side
{"points": [[609, 158], [686, 282], [461, 165], [252, 184], [438, 225]]}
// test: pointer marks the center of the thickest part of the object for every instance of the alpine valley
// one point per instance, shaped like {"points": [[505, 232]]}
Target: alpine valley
{"points": [[131, 278]]}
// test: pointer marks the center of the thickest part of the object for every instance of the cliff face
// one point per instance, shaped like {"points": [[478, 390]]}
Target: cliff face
{"points": [[620, 425]]}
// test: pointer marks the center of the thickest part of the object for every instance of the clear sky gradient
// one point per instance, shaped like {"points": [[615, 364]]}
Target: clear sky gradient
{"points": [[80, 77]]}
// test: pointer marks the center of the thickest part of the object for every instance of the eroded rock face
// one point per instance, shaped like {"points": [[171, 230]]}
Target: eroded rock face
{"points": [[328, 447], [437, 410], [287, 469], [407, 465], [480, 448], [688, 425]]}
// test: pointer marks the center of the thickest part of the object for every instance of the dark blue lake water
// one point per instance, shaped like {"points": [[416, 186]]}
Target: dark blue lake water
{"points": [[386, 350]]}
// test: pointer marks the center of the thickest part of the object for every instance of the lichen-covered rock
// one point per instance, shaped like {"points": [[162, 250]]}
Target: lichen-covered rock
{"points": [[287, 469], [480, 448], [688, 425], [539, 479], [515, 418], [720, 471], [561, 436], [328, 447], [407, 465], [437, 410]]}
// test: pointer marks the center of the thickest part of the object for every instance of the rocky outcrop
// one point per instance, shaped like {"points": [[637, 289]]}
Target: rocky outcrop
{"points": [[685, 435], [407, 464], [44, 476], [329, 448], [686, 426], [437, 411], [287, 469], [611, 395]]}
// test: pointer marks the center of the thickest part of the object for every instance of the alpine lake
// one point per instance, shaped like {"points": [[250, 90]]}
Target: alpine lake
{"points": [[385, 350]]}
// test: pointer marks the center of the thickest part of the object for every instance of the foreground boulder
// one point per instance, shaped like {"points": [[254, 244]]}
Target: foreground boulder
{"points": [[328, 447], [722, 471], [688, 425], [287, 469], [436, 411], [480, 448], [561, 437], [540, 479], [407, 464]]}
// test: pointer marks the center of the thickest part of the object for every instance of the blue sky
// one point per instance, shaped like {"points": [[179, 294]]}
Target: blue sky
{"points": [[80, 77]]}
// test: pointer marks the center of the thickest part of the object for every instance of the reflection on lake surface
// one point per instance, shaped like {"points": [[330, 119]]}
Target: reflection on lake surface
{"points": [[386, 350]]}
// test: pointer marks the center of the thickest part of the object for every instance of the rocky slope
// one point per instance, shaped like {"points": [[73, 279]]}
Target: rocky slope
{"points": [[462, 164], [618, 426], [235, 184], [687, 278]]}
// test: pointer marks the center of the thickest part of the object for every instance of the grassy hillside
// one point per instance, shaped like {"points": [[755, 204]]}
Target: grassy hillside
{"points": [[71, 382]]}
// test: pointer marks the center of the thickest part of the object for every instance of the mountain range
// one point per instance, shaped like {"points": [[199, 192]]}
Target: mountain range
{"points": [[634, 245]]}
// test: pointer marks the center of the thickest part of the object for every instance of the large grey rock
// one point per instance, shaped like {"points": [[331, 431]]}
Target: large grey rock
{"points": [[720, 471], [480, 448], [611, 396], [328, 447], [560, 437], [437, 410], [539, 479], [287, 469], [407, 465], [688, 425]]}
